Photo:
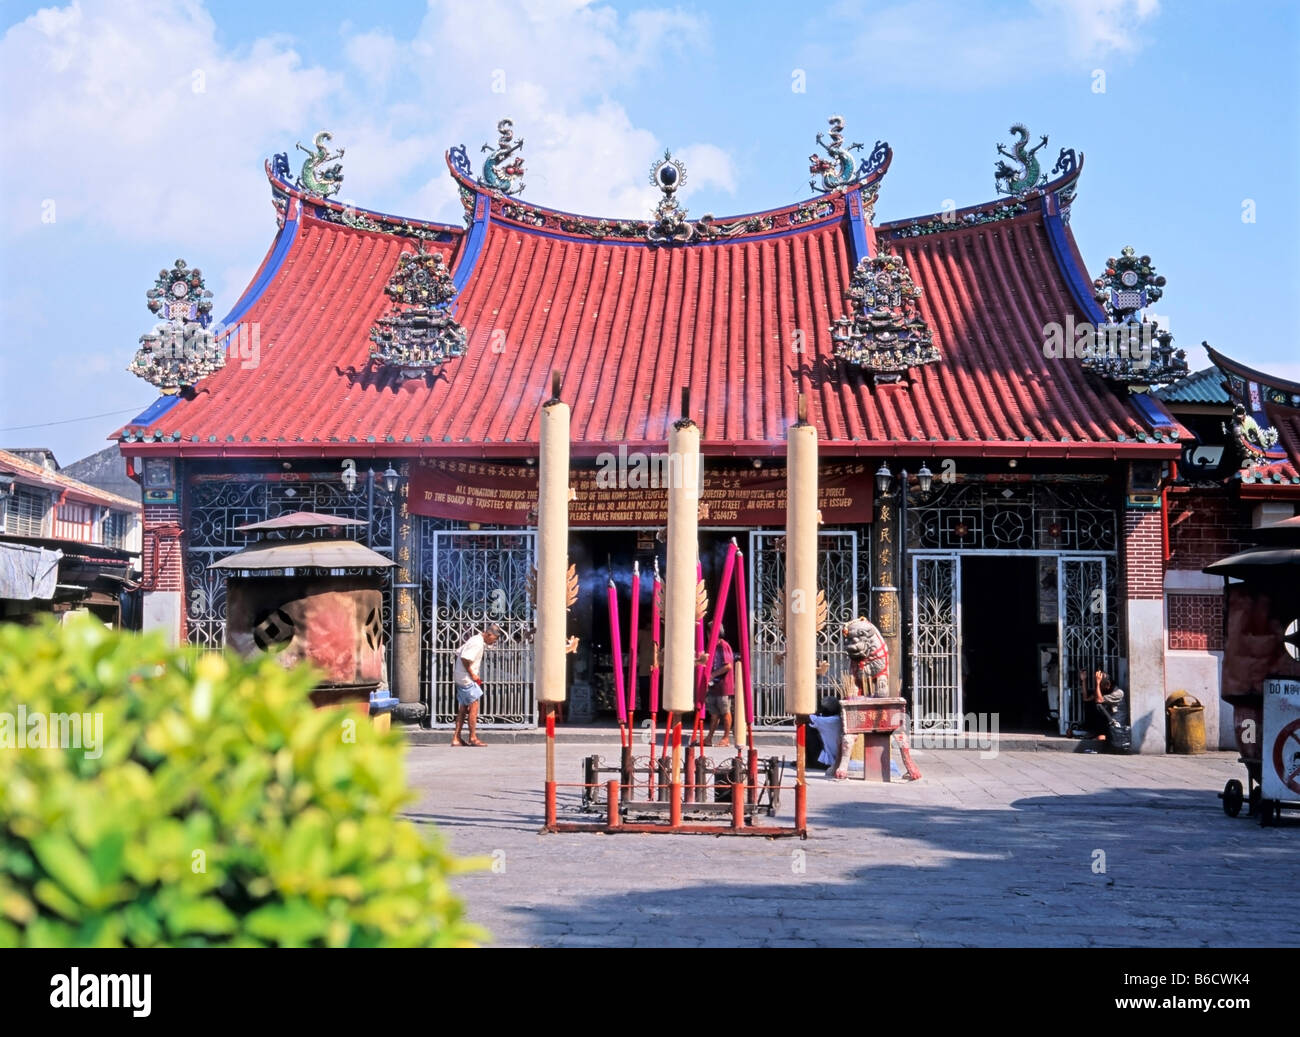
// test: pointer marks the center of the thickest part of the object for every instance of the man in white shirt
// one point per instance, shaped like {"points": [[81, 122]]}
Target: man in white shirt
{"points": [[469, 684]]}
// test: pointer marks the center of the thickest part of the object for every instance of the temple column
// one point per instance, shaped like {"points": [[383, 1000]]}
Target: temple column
{"points": [[405, 677], [887, 535], [163, 561], [1142, 567]]}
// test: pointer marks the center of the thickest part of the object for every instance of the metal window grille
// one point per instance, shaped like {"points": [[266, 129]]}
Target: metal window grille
{"points": [[24, 513], [843, 577], [214, 507]]}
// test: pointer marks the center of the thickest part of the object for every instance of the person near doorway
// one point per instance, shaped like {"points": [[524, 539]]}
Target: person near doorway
{"points": [[469, 682], [1102, 700], [868, 656], [721, 690], [1052, 683]]}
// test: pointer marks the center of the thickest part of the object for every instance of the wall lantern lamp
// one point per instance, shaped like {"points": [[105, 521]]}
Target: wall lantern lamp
{"points": [[391, 478], [349, 475], [925, 479], [884, 479]]}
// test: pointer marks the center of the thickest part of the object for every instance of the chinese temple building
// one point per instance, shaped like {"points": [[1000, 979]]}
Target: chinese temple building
{"points": [[996, 480]]}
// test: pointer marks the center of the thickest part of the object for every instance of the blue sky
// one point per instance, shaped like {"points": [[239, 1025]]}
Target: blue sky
{"points": [[145, 123]]}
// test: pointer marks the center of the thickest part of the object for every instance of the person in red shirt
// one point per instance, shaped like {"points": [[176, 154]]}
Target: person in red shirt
{"points": [[721, 691]]}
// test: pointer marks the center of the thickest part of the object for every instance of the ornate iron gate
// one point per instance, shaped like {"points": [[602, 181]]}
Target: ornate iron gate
{"points": [[1086, 598], [472, 579], [838, 578], [217, 503], [936, 644]]}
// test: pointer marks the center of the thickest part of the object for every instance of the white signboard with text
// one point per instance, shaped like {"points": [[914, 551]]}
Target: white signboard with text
{"points": [[1281, 763]]}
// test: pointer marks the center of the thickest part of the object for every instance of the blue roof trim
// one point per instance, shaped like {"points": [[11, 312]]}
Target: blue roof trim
{"points": [[1152, 409], [283, 243], [473, 242], [857, 226], [1079, 283], [155, 410]]}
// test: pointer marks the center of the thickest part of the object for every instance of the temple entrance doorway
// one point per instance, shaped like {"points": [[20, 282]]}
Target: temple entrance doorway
{"points": [[596, 554], [1009, 629]]}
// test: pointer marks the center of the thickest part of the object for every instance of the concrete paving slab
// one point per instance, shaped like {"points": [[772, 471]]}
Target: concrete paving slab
{"points": [[1026, 848]]}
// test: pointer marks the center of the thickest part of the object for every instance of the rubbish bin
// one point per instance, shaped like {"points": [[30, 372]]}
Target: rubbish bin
{"points": [[1186, 723]]}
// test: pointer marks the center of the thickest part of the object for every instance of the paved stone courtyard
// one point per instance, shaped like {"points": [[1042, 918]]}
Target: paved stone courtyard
{"points": [[979, 852]]}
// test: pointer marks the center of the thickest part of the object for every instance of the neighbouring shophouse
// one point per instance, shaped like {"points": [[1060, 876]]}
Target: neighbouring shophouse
{"points": [[65, 546]]}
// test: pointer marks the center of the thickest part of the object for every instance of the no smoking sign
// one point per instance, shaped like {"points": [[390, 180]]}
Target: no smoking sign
{"points": [[1281, 771]]}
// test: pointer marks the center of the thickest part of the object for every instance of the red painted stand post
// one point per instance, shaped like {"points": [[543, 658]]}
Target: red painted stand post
{"points": [[550, 767], [737, 795], [751, 786], [675, 792], [611, 794], [801, 786]]}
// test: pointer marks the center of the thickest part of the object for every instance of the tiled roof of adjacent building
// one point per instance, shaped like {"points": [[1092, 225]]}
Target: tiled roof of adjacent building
{"points": [[31, 473], [1273, 402], [1204, 386]]}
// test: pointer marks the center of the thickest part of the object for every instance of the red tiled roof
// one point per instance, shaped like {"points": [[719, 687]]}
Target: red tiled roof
{"points": [[630, 324], [33, 474]]}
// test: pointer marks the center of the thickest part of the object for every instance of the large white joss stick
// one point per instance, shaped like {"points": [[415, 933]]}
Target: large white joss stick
{"points": [[552, 549], [801, 566], [683, 551]]}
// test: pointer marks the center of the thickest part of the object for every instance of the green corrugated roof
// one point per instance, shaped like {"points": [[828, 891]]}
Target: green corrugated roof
{"points": [[1199, 387]]}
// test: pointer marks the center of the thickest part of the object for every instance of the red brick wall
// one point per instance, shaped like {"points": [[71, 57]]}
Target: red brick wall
{"points": [[1195, 622], [161, 551], [1204, 526], [1144, 570]]}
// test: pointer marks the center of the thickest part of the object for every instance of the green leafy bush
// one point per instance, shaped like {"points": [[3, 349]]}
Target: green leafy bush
{"points": [[218, 808]]}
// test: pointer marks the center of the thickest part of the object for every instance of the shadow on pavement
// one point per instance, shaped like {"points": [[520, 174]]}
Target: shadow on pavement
{"points": [[1128, 866]]}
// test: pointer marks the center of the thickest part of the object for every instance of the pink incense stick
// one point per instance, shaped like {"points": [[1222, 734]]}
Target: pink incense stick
{"points": [[655, 640], [715, 631], [632, 640], [742, 611], [699, 635], [616, 647]]}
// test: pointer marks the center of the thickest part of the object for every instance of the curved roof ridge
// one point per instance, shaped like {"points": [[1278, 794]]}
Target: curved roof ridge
{"points": [[1227, 363], [780, 221], [990, 211], [355, 216]]}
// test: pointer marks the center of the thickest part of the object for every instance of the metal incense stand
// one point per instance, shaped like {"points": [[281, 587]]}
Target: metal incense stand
{"points": [[743, 787]]}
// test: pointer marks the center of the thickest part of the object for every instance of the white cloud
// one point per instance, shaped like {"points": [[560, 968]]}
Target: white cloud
{"points": [[1095, 28], [955, 45], [375, 55], [131, 116], [553, 66]]}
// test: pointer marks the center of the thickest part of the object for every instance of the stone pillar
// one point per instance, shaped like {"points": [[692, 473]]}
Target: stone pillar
{"points": [[163, 572], [404, 680], [1144, 627]]}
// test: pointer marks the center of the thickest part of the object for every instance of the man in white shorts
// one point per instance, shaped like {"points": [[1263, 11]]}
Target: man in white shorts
{"points": [[469, 683]]}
